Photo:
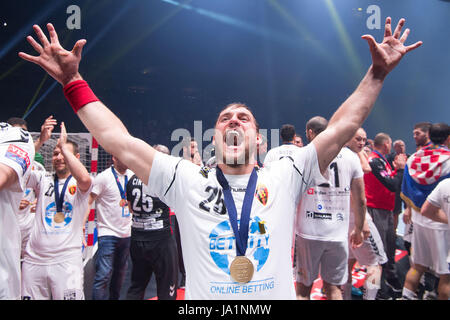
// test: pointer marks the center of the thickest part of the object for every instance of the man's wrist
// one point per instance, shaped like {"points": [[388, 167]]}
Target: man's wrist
{"points": [[79, 94], [378, 72], [72, 78]]}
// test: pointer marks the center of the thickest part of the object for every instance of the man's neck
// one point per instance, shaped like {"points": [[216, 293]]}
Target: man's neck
{"points": [[379, 151], [120, 171], [237, 170], [63, 175]]}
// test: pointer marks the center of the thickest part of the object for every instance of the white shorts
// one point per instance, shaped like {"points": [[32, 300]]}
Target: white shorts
{"points": [[62, 281], [431, 248], [330, 256], [409, 227], [371, 252]]}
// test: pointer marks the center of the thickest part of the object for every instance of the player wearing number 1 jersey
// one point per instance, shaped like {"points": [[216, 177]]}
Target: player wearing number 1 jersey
{"points": [[323, 221], [153, 247]]}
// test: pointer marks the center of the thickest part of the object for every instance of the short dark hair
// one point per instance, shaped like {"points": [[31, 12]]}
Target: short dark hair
{"points": [[423, 126], [439, 132], [380, 138], [15, 121], [76, 149], [287, 132], [317, 124], [240, 105]]}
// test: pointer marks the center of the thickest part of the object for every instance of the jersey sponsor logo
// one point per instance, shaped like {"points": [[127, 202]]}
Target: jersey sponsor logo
{"points": [[222, 245], [262, 194], [50, 212], [310, 191], [19, 156], [319, 215]]}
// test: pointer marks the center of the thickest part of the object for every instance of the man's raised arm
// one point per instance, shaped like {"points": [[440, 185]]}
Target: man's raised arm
{"points": [[352, 113], [107, 129]]}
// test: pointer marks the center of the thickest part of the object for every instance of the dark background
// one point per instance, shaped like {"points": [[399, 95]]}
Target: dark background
{"points": [[162, 64]]}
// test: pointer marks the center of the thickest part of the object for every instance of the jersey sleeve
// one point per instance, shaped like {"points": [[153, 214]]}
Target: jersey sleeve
{"points": [[269, 157], [391, 182], [98, 183], [168, 176], [17, 152], [356, 165], [435, 197], [303, 171]]}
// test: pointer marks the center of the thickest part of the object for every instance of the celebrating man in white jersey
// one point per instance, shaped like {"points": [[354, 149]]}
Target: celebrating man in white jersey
{"points": [[225, 259], [323, 221], [52, 267], [16, 156]]}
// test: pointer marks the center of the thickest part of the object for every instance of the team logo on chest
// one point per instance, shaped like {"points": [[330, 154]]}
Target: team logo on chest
{"points": [[262, 194], [72, 190]]}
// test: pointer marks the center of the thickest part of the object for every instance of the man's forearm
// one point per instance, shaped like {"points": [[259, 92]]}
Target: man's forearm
{"points": [[352, 113], [348, 118], [77, 169]]}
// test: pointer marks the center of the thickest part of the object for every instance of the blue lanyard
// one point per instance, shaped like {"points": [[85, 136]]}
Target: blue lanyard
{"points": [[383, 157], [123, 195], [241, 233], [59, 198]]}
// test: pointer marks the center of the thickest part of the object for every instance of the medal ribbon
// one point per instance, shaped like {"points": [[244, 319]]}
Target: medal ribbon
{"points": [[59, 198], [241, 233], [123, 195]]}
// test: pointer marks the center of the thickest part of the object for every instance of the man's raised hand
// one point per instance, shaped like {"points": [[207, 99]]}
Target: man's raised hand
{"points": [[61, 64], [386, 55]]}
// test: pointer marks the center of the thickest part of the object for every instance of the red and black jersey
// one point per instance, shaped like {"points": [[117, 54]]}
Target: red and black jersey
{"points": [[381, 183]]}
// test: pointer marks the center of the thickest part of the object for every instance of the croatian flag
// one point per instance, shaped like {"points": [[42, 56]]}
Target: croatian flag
{"points": [[423, 171]]}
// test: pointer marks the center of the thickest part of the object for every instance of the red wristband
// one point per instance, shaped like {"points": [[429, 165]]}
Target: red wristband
{"points": [[79, 94]]}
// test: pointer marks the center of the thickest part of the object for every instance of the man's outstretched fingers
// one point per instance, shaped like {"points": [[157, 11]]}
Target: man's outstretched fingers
{"points": [[370, 40], [414, 46], [52, 33], [35, 45], [399, 27], [405, 35], [387, 28], [78, 47], [41, 36], [28, 57]]}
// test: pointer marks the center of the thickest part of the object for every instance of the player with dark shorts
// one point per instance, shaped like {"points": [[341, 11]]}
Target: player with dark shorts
{"points": [[153, 247]]}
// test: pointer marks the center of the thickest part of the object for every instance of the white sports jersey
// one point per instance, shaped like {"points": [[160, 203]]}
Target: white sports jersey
{"points": [[206, 234], [54, 242], [323, 213], [285, 150], [440, 197], [17, 152], [25, 217], [112, 219]]}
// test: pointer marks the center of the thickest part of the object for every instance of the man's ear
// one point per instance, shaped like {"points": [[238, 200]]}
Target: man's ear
{"points": [[77, 156], [259, 139]]}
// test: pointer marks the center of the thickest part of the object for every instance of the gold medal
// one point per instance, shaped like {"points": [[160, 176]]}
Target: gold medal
{"points": [[241, 269], [123, 202], [59, 217]]}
